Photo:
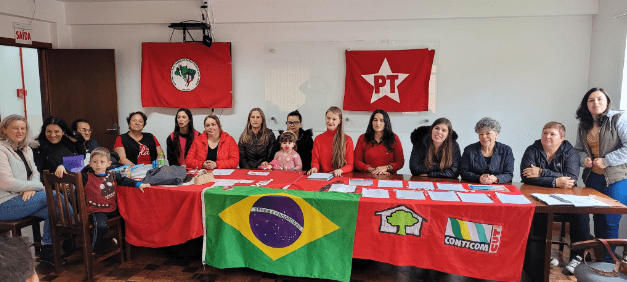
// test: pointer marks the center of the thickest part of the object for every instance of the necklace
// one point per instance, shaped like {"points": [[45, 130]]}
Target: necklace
{"points": [[593, 136]]}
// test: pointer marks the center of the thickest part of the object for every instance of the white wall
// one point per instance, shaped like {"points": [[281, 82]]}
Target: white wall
{"points": [[524, 69], [48, 20]]}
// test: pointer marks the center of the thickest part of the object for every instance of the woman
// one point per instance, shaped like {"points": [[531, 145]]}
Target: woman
{"points": [[379, 150], [487, 161], [179, 141], [304, 141], [214, 148], [333, 149], [56, 141], [256, 142], [82, 126], [135, 146], [601, 142], [435, 152], [21, 192]]}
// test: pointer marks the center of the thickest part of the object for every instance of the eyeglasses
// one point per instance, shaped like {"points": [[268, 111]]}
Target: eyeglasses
{"points": [[292, 123], [83, 130]]}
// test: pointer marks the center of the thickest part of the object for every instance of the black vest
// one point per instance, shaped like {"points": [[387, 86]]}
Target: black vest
{"points": [[131, 147]]}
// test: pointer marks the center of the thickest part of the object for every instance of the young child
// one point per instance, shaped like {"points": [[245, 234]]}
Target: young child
{"points": [[286, 158], [100, 185]]}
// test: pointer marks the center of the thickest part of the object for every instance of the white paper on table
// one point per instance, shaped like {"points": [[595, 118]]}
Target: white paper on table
{"points": [[448, 196], [230, 182], [259, 173], [580, 201], [320, 176], [421, 185], [342, 188], [223, 171], [374, 193], [450, 187], [409, 194], [512, 199], [475, 198], [360, 182], [391, 183]]}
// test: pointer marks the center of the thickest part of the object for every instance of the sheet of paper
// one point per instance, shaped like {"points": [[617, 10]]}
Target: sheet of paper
{"points": [[547, 199], [258, 173], [450, 187], [421, 185], [360, 182], [230, 182], [475, 198], [374, 193], [343, 188], [448, 196], [391, 183], [223, 171], [580, 201], [512, 199], [409, 194], [320, 176]]}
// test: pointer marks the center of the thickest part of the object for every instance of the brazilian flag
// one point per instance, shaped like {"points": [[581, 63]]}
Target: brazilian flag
{"points": [[294, 233]]}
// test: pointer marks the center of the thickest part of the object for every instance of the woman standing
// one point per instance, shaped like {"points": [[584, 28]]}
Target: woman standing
{"points": [[601, 140], [56, 141], [379, 150], [256, 142], [21, 192], [487, 161], [333, 149], [435, 152], [179, 141], [214, 148], [135, 146]]}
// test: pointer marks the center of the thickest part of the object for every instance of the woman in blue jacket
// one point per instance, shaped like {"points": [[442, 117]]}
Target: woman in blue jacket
{"points": [[487, 161]]}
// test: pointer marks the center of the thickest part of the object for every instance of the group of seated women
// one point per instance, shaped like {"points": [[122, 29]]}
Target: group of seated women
{"points": [[551, 161]]}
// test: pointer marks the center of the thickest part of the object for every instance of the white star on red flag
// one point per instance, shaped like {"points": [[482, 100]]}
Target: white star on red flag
{"points": [[385, 82]]}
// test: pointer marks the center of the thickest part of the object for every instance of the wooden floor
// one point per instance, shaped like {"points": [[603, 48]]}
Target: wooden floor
{"points": [[183, 263]]}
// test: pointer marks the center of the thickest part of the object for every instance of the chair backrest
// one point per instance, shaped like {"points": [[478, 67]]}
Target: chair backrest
{"points": [[66, 202], [598, 247]]}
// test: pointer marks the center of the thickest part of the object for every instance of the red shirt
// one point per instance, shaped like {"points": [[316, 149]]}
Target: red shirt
{"points": [[322, 154], [369, 155], [144, 152]]}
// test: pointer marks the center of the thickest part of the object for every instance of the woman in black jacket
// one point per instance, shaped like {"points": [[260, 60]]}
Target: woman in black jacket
{"points": [[487, 161], [56, 141], [256, 142], [304, 142], [435, 152]]}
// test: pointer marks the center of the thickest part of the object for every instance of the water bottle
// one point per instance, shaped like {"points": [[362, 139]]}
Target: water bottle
{"points": [[160, 160]]}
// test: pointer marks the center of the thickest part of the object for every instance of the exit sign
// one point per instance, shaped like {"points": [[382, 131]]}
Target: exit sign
{"points": [[22, 33]]}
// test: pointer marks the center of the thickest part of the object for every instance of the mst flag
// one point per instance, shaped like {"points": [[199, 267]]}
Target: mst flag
{"points": [[396, 80], [186, 75], [294, 233]]}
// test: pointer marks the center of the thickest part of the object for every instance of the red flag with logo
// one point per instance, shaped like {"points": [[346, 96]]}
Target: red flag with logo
{"points": [[186, 75], [394, 80]]}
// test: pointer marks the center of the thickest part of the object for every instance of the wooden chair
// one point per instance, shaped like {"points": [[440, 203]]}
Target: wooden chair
{"points": [[69, 192], [15, 226], [583, 273], [561, 242]]}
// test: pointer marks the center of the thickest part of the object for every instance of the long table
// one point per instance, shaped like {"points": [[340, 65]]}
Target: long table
{"points": [[550, 211], [445, 239]]}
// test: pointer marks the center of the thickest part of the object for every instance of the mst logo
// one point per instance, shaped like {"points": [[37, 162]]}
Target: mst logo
{"points": [[400, 220], [185, 75], [472, 235]]}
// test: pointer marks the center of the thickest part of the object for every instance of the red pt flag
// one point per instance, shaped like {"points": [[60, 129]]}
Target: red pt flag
{"points": [[187, 75], [395, 80]]}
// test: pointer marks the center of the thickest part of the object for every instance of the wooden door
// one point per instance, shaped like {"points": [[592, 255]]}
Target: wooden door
{"points": [[81, 83]]}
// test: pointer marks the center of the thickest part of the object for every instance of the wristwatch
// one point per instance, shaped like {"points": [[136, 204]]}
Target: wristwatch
{"points": [[389, 167]]}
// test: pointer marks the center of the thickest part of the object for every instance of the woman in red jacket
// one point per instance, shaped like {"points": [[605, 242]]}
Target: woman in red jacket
{"points": [[214, 148], [379, 150], [332, 150]]}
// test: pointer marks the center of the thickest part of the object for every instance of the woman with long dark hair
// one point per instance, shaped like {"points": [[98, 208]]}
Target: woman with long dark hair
{"points": [[435, 152], [379, 150], [256, 142], [333, 149], [179, 141], [602, 146], [56, 141]]}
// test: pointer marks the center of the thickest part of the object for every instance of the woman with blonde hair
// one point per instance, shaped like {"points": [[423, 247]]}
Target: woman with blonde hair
{"points": [[214, 148], [256, 142], [333, 149]]}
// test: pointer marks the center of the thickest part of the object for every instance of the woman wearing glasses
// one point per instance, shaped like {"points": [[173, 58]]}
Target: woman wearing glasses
{"points": [[304, 142], [82, 126]]}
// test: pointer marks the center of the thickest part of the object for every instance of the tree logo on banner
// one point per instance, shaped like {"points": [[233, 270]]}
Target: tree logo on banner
{"points": [[185, 75], [400, 220]]}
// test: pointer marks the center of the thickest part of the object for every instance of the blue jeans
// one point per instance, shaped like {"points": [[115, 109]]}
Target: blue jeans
{"points": [[16, 208], [606, 225]]}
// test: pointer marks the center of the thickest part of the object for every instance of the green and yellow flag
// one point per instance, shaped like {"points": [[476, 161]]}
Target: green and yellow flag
{"points": [[294, 233]]}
